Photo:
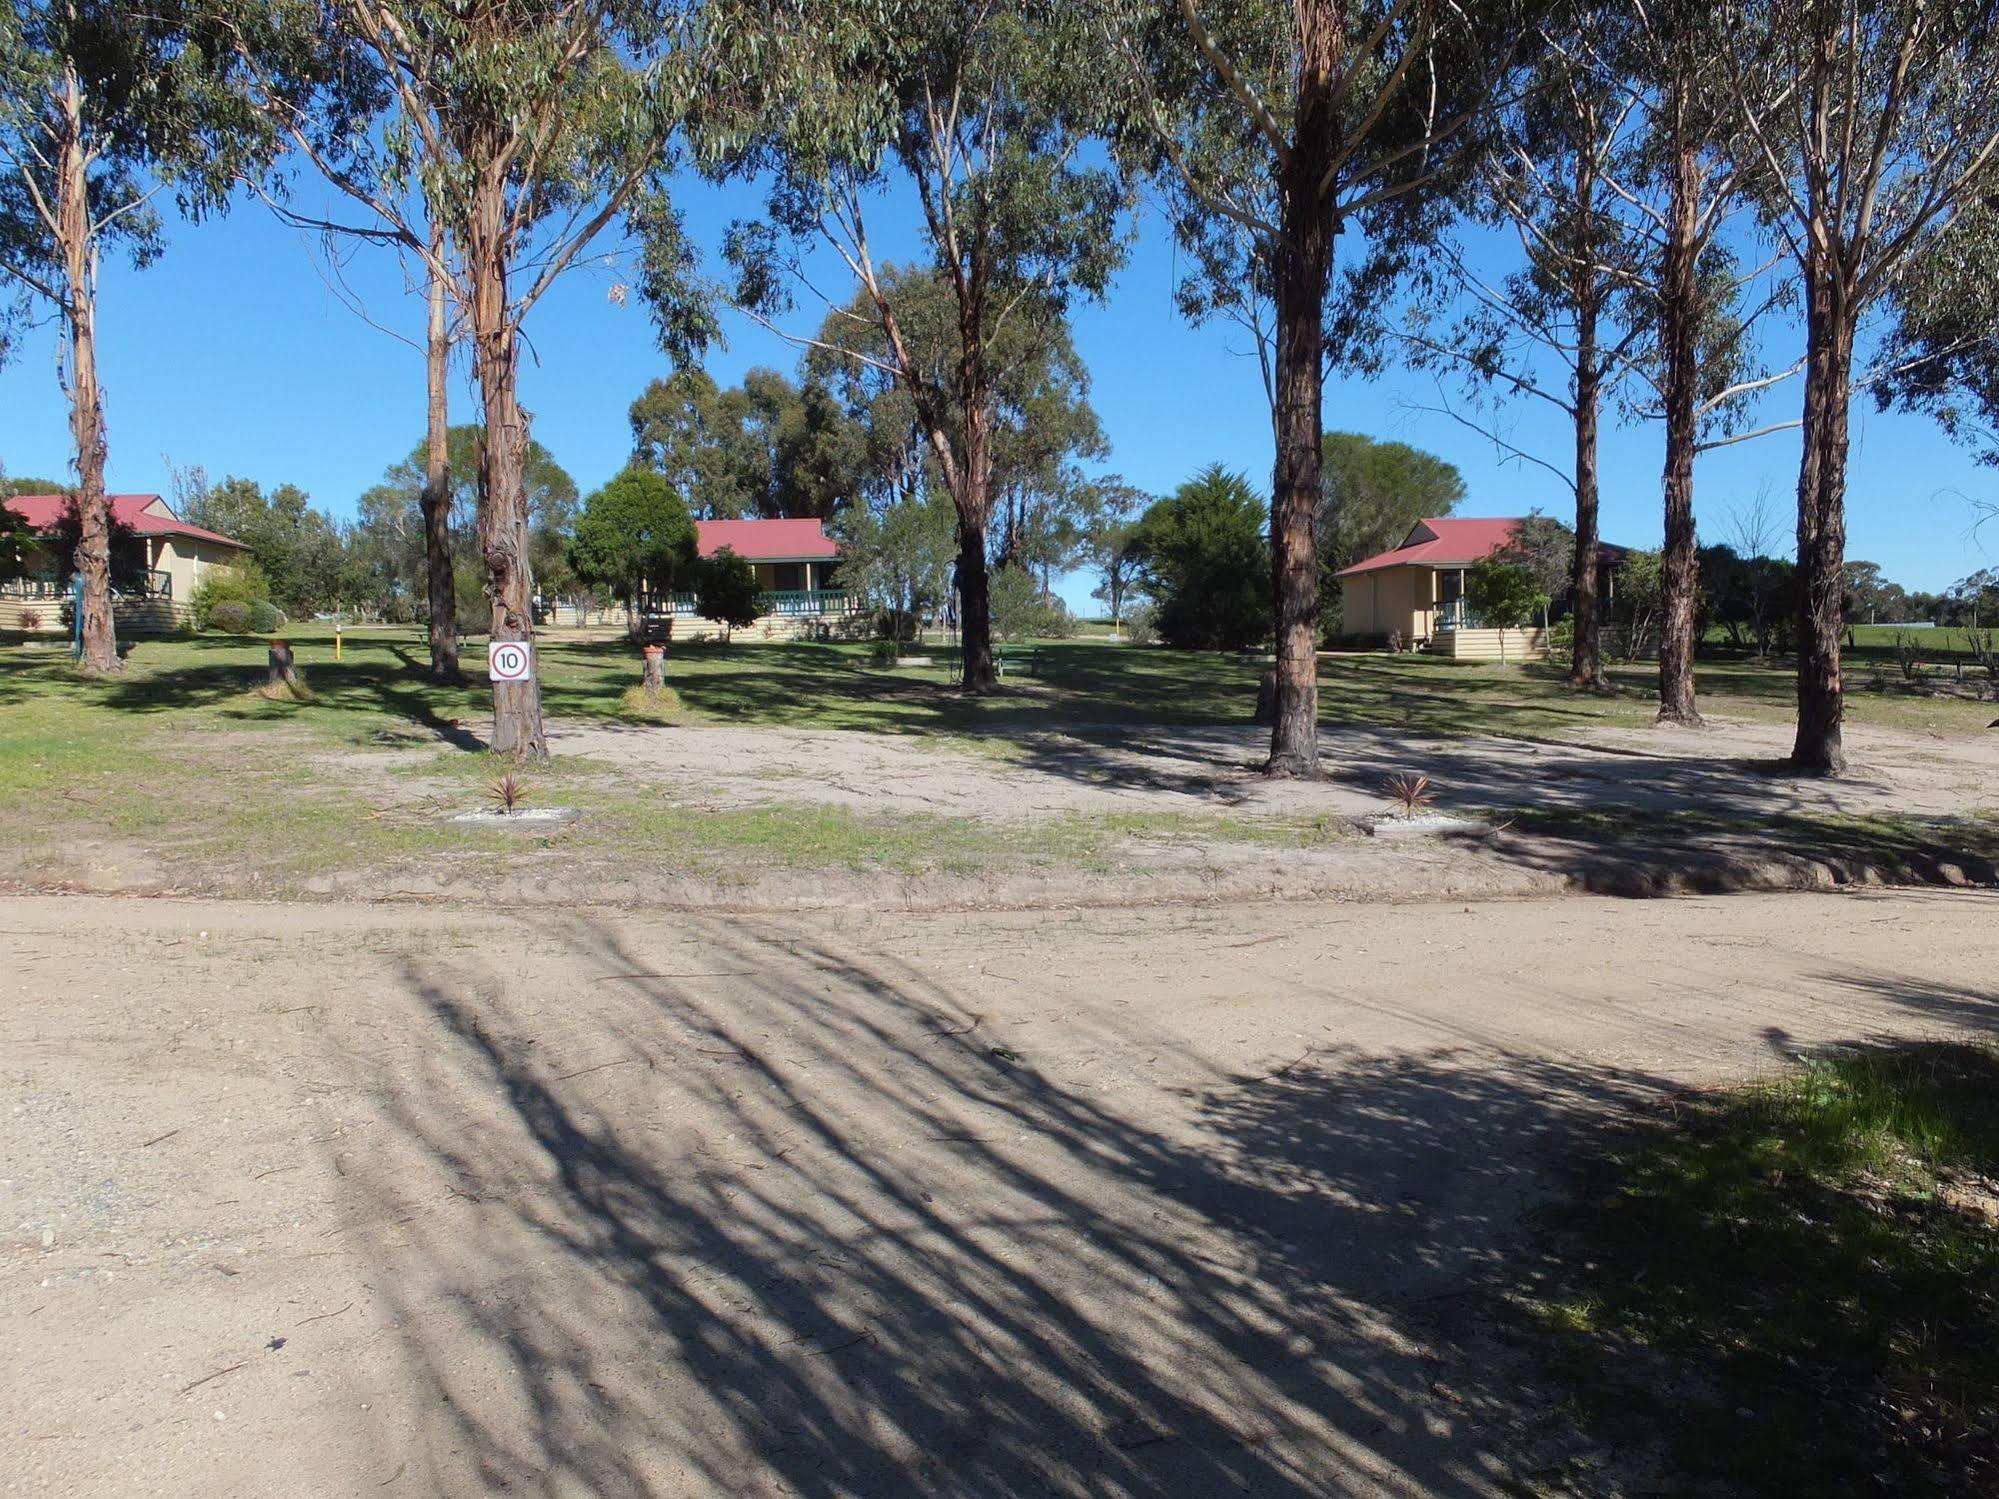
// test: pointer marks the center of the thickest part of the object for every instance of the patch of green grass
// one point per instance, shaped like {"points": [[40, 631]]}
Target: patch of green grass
{"points": [[1797, 1283]]}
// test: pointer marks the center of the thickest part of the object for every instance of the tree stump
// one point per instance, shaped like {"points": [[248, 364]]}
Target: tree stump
{"points": [[282, 672], [1266, 697], [654, 677]]}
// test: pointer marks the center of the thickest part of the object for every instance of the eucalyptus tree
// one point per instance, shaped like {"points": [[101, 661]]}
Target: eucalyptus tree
{"points": [[981, 109], [1565, 327], [1276, 126], [765, 447], [525, 128], [346, 124], [1875, 125], [1687, 201], [103, 106]]}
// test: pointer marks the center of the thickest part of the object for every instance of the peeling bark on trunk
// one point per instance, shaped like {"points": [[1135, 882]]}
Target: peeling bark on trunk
{"points": [[437, 484], [86, 399], [503, 501], [1307, 229], [1679, 562], [1819, 748]]}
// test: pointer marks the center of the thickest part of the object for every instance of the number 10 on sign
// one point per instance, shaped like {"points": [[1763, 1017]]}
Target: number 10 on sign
{"points": [[509, 660]]}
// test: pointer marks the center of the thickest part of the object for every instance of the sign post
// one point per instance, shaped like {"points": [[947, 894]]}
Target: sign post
{"points": [[510, 660]]}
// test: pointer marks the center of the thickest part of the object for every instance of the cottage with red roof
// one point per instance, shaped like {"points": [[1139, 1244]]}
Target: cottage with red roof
{"points": [[796, 564], [166, 558], [1416, 592]]}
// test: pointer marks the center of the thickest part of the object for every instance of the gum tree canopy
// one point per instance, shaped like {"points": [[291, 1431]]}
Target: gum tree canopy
{"points": [[1277, 125], [984, 111], [103, 104], [527, 127]]}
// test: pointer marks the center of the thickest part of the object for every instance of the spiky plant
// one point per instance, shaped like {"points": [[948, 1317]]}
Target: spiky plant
{"points": [[507, 791], [1410, 792]]}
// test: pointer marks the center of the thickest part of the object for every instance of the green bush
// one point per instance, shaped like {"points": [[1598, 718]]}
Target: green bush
{"points": [[725, 589], [1021, 611], [265, 617], [243, 584], [1141, 624], [230, 617], [1204, 558]]}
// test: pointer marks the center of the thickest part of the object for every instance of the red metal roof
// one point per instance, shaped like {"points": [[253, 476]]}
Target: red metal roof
{"points": [[133, 511], [767, 540], [1443, 542]]}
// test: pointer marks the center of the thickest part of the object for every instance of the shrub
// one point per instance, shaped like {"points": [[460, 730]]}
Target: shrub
{"points": [[229, 616], [725, 589], [1203, 556], [265, 617], [31, 619], [1141, 624], [1021, 611], [895, 624], [243, 584]]}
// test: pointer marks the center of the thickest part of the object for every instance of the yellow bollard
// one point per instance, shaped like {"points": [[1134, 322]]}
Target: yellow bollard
{"points": [[336, 642]]}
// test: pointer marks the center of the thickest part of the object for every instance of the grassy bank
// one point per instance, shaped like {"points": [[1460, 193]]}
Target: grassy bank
{"points": [[1794, 1286]]}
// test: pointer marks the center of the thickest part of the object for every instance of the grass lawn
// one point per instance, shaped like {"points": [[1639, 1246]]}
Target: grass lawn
{"points": [[180, 754], [1796, 1284]]}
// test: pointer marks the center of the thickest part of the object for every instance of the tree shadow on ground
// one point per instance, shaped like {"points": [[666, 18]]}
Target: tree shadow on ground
{"points": [[799, 1221]]}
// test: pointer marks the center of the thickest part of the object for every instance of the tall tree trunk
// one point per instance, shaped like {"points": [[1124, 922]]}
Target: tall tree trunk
{"points": [[975, 616], [1308, 226], [1586, 669], [973, 492], [503, 500], [1819, 748], [86, 400], [1679, 314], [437, 480]]}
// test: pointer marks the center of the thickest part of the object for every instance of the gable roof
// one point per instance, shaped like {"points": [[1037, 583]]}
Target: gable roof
{"points": [[767, 540], [143, 514], [1440, 541]]}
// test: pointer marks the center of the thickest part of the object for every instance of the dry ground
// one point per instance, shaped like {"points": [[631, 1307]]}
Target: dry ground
{"points": [[340, 1200], [1164, 769]]}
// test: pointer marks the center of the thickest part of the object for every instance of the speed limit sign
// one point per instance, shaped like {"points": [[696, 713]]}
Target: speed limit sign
{"points": [[509, 660]]}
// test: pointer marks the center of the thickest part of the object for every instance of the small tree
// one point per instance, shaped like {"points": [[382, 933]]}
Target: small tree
{"points": [[634, 539], [1503, 595], [1205, 557], [726, 589], [1110, 534]]}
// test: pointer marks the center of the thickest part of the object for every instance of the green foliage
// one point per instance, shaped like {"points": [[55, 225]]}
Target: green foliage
{"points": [[265, 616], [154, 108], [1205, 559], [1375, 492], [897, 550], [1022, 610], [386, 565], [1504, 596], [239, 586], [726, 589], [764, 448], [1111, 510], [229, 617], [1808, 1265], [634, 538], [299, 550], [1544, 549]]}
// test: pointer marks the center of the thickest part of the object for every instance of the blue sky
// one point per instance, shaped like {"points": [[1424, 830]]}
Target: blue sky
{"points": [[234, 353]]}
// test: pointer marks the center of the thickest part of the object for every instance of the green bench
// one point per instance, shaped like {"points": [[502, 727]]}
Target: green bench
{"points": [[1027, 660]]}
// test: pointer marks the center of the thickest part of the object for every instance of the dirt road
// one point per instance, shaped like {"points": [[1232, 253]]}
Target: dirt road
{"points": [[342, 1200]]}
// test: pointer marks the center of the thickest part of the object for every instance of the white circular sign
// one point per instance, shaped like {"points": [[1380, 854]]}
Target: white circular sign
{"points": [[509, 660]]}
